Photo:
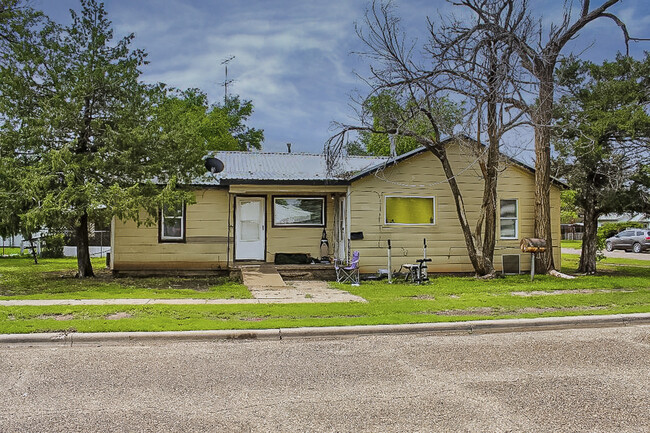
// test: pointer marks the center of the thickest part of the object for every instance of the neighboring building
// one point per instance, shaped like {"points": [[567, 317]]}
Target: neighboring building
{"points": [[572, 232], [264, 204], [12, 241], [624, 218]]}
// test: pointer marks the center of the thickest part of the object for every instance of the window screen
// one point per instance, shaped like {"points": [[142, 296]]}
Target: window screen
{"points": [[172, 224], [410, 210], [508, 220]]}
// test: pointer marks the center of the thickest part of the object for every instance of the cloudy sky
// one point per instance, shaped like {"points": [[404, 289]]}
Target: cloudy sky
{"points": [[294, 59]]}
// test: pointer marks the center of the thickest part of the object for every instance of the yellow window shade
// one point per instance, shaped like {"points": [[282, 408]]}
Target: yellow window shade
{"points": [[409, 210]]}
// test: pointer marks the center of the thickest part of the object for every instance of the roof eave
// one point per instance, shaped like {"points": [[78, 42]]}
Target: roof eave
{"points": [[226, 182], [420, 150]]}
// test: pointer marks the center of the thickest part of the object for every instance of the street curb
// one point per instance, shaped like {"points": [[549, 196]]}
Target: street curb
{"points": [[445, 328]]}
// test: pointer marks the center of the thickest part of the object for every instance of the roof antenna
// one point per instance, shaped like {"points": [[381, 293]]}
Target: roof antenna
{"points": [[226, 81], [391, 138]]}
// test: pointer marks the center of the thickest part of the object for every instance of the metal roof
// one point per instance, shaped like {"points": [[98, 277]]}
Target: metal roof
{"points": [[267, 167], [308, 168], [625, 218], [422, 149]]}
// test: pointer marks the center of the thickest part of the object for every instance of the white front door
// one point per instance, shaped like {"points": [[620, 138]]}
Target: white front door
{"points": [[250, 232]]}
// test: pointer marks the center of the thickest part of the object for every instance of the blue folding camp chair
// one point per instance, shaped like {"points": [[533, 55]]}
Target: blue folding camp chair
{"points": [[348, 273]]}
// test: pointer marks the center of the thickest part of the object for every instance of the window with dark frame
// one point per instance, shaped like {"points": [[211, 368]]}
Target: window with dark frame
{"points": [[172, 224], [299, 211]]}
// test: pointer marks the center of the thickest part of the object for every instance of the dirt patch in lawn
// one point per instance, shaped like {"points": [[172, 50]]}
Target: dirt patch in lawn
{"points": [[566, 292], [119, 315], [487, 311], [535, 310], [56, 316], [423, 297], [483, 311], [105, 276]]}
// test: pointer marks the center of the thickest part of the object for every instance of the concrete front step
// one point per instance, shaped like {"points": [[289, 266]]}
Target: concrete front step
{"points": [[263, 275]]}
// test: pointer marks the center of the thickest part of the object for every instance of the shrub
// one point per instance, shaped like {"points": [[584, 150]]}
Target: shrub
{"points": [[53, 246]]}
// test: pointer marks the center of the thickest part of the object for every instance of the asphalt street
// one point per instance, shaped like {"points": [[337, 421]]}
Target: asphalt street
{"points": [[595, 380]]}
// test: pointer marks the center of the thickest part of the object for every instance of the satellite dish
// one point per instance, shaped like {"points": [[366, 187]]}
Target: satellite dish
{"points": [[214, 165]]}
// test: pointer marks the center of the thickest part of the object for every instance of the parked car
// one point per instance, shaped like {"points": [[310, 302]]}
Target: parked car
{"points": [[636, 240]]}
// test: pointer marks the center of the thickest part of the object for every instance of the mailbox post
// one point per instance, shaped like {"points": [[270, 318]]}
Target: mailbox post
{"points": [[532, 246]]}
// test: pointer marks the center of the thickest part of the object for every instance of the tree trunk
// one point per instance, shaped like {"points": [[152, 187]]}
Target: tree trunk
{"points": [[462, 215], [84, 266], [542, 120], [32, 248], [589, 249], [490, 189]]}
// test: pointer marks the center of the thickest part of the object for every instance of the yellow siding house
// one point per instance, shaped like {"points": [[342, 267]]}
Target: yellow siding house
{"points": [[266, 207]]}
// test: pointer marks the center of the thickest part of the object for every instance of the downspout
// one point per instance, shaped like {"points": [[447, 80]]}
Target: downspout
{"points": [[111, 263], [228, 231], [348, 222]]}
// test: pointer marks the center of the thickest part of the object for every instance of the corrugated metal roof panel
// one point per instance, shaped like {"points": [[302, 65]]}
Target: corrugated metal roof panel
{"points": [[266, 166]]}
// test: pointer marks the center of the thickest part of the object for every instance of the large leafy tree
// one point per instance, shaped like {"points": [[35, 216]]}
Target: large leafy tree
{"points": [[93, 140], [603, 140], [17, 20], [385, 111], [21, 31]]}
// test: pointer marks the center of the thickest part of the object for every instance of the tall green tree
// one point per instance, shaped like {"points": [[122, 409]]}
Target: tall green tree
{"points": [[569, 211], [602, 136], [237, 112], [93, 140], [385, 111], [17, 21]]}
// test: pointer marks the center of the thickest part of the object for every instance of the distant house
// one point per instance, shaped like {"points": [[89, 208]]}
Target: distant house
{"points": [[267, 204], [624, 218]]}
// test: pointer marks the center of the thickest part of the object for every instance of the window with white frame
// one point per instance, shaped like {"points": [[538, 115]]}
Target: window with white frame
{"points": [[299, 211], [509, 225], [172, 224], [409, 210]]}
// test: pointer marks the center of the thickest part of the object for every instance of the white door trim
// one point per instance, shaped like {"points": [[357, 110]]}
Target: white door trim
{"points": [[340, 227], [250, 228]]}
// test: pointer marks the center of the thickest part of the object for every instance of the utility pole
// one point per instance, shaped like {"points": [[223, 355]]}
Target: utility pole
{"points": [[226, 81]]}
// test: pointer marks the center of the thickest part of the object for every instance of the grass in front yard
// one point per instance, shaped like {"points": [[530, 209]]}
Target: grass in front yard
{"points": [[55, 279], [608, 266], [571, 244], [11, 251], [619, 289]]}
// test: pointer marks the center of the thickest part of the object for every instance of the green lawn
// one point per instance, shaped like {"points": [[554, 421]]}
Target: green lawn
{"points": [[9, 251], [55, 279], [619, 288], [571, 244]]}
